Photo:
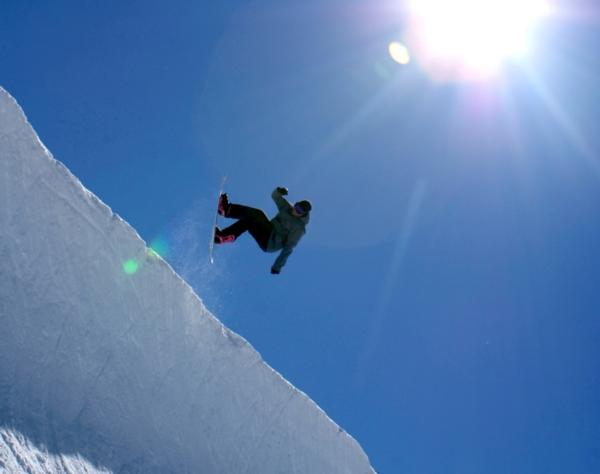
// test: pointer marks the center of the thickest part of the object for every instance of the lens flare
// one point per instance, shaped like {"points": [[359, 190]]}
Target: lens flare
{"points": [[399, 53], [130, 267], [160, 246]]}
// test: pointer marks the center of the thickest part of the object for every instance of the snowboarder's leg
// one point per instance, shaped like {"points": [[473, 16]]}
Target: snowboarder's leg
{"points": [[252, 220], [238, 211], [261, 231]]}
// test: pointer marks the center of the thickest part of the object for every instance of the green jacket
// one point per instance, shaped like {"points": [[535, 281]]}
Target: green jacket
{"points": [[288, 229]]}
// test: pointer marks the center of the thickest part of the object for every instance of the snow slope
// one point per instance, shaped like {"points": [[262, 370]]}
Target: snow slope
{"points": [[104, 370]]}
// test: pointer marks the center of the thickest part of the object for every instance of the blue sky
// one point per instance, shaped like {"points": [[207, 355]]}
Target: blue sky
{"points": [[444, 306]]}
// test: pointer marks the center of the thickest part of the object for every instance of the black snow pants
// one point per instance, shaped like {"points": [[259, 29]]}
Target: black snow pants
{"points": [[252, 220]]}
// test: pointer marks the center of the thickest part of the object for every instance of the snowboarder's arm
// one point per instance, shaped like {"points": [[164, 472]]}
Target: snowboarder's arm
{"points": [[281, 259], [286, 252], [280, 201]]}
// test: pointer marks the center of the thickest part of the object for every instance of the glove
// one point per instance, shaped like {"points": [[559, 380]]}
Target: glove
{"points": [[274, 271], [283, 191]]}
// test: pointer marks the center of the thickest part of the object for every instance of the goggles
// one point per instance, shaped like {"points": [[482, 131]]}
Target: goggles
{"points": [[299, 209]]}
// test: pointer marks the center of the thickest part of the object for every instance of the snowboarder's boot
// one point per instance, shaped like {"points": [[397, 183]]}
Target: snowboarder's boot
{"points": [[221, 238], [223, 208]]}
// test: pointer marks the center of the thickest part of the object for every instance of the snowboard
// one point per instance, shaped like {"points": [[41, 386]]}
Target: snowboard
{"points": [[211, 245]]}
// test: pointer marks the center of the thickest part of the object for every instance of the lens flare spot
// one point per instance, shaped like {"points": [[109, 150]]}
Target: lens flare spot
{"points": [[160, 246], [152, 253], [399, 52], [382, 70], [130, 267]]}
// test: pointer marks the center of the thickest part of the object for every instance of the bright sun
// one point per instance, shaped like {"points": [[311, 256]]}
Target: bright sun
{"points": [[471, 38]]}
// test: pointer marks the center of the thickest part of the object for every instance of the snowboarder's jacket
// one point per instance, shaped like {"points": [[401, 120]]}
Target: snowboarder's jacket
{"points": [[288, 229]]}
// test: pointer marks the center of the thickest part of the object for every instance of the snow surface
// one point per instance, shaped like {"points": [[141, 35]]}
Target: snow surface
{"points": [[105, 371]]}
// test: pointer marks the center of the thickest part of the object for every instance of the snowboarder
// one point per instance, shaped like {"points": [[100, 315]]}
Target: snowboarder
{"points": [[283, 232]]}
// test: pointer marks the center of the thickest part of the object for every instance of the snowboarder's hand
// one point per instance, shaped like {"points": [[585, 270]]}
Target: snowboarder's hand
{"points": [[283, 191], [275, 271]]}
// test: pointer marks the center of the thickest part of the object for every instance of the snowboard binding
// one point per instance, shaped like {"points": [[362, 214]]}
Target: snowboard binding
{"points": [[223, 208], [221, 238]]}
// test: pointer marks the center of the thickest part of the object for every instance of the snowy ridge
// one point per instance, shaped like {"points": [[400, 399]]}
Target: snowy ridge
{"points": [[109, 362], [17, 454]]}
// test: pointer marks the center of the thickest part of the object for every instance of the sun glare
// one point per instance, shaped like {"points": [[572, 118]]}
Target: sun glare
{"points": [[472, 38]]}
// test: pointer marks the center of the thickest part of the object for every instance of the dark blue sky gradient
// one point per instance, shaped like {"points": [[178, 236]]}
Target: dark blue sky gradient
{"points": [[444, 307]]}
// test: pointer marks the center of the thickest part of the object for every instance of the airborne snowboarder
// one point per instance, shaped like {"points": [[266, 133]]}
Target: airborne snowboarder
{"points": [[283, 232]]}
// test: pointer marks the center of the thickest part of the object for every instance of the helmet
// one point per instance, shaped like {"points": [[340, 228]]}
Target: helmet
{"points": [[303, 206]]}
